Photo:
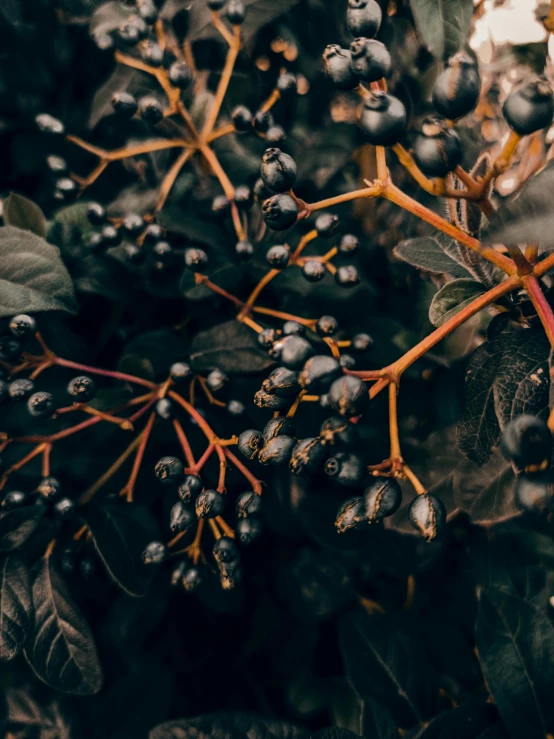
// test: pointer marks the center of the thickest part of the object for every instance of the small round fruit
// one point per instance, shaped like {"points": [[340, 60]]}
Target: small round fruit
{"points": [[103, 41], [151, 110], [278, 256], [383, 120], [135, 255], [338, 66], [177, 574], [151, 53], [225, 550], [347, 361], [268, 337], [169, 470], [337, 430], [82, 389], [349, 244], [242, 119], [327, 326], [250, 442], [181, 517], [57, 165], [278, 170], [87, 568], [64, 508], [132, 30], [192, 579], [163, 252], [165, 409], [133, 224], [221, 205], [326, 225], [270, 401], [363, 17], [179, 372], [371, 60], [457, 90], [347, 276], [190, 488], [362, 342], [348, 396], [530, 107], [235, 408], [111, 236], [147, 11], [216, 380], [244, 250], [282, 381], [216, 4], [155, 553], [383, 497], [236, 12], [319, 373], [248, 530], [276, 135], [427, 514], [313, 270], [65, 189], [249, 504], [351, 515], [527, 441], [153, 234], [286, 84], [23, 326], [210, 504], [41, 404], [180, 74], [196, 259], [277, 452], [14, 499], [21, 388], [293, 327], [96, 214], [243, 197], [437, 148], [307, 456], [50, 488], [262, 122], [534, 492], [280, 426], [295, 351], [48, 124], [346, 469], [124, 105]]}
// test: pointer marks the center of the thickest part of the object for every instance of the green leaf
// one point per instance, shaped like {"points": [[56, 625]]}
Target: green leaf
{"points": [[231, 346], [157, 350], [486, 492], [426, 254], [15, 606], [377, 722], [443, 25], [23, 213], [466, 722], [515, 644], [384, 661], [33, 277], [120, 535], [227, 725], [17, 525], [452, 298], [61, 651]]}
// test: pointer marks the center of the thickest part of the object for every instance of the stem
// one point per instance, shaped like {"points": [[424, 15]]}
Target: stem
{"points": [[218, 171], [203, 280], [110, 472], [502, 161], [257, 290], [105, 373], [195, 469], [395, 451], [184, 443], [416, 484], [542, 306], [227, 530], [234, 48], [128, 490], [170, 177], [220, 132]]}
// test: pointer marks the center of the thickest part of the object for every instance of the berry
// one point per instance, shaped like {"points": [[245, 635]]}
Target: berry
{"points": [[21, 389], [348, 396], [165, 408], [351, 515], [57, 165], [346, 469], [533, 492], [383, 120], [249, 504], [133, 224], [326, 225], [371, 60], [348, 244], [181, 517], [229, 580], [196, 259], [244, 250], [292, 327], [151, 110], [267, 337], [295, 351], [286, 84], [151, 53], [236, 12], [216, 4], [132, 30], [155, 553], [242, 119], [347, 361], [124, 104], [147, 10], [180, 74], [41, 404], [103, 41], [362, 342], [225, 550], [177, 574], [280, 426], [363, 17], [313, 270], [96, 214], [111, 236], [163, 252], [282, 381], [168, 470], [267, 400], [210, 504], [48, 124], [338, 430], [153, 234], [95, 242], [319, 373], [383, 497], [278, 170], [49, 487], [275, 135], [243, 197], [14, 499], [250, 442], [527, 441], [327, 326], [190, 488], [192, 579], [437, 149], [248, 529], [235, 408], [221, 205], [82, 388], [277, 451], [216, 380], [64, 508], [347, 276], [427, 514], [457, 90], [338, 66], [65, 189], [23, 326], [307, 456], [10, 347], [263, 120], [135, 254], [278, 256], [179, 372], [530, 107]]}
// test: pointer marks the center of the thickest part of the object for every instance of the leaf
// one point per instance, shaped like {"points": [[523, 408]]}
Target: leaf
{"points": [[159, 348], [335, 732], [16, 526], [486, 492], [15, 606], [120, 535], [377, 722], [443, 25], [466, 722], [23, 213], [227, 725], [452, 298], [62, 651], [426, 254], [515, 644], [35, 716], [385, 661], [118, 81], [33, 276], [230, 346]]}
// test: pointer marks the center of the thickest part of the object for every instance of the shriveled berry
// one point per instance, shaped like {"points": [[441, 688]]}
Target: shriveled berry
{"points": [[210, 504], [319, 373], [295, 351], [230, 578], [196, 259], [132, 30], [280, 426], [192, 579], [457, 90], [527, 441], [313, 270], [347, 276], [351, 515], [348, 396], [307, 456], [190, 488], [338, 66], [249, 504], [336, 430], [165, 408], [273, 402], [278, 170], [82, 389], [23, 326], [41, 404], [180, 74], [155, 553], [282, 381], [181, 517], [534, 491], [278, 256], [383, 120], [124, 104], [371, 60], [363, 17], [326, 225], [179, 372], [242, 119], [225, 550], [437, 149], [427, 514], [244, 250], [21, 388], [277, 451], [151, 110], [168, 470], [250, 442], [216, 380], [346, 469], [530, 107], [48, 124], [383, 497], [248, 530], [49, 487]]}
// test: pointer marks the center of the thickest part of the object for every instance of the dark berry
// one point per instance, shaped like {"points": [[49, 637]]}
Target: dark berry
{"points": [[457, 90], [363, 17], [267, 337], [242, 119], [177, 574], [132, 30], [427, 514], [147, 10], [169, 470], [96, 214], [243, 197], [533, 492], [103, 41], [48, 124], [21, 389], [319, 373], [124, 104], [327, 326], [292, 327], [221, 205], [278, 170], [275, 135], [235, 408], [165, 408], [133, 224], [95, 243], [277, 451], [278, 256], [236, 12], [23, 326], [153, 234], [347, 276], [230, 578], [14, 499], [383, 120], [134, 254], [57, 165], [196, 259], [41, 404], [530, 107], [282, 381], [313, 270], [180, 74], [249, 504], [111, 236], [351, 515], [163, 252], [65, 189], [348, 396], [347, 361], [261, 192], [155, 553], [371, 60], [307, 456], [64, 508], [362, 342], [295, 352], [346, 469], [338, 430], [286, 84], [216, 380], [192, 579], [338, 66], [225, 550], [190, 488], [210, 504], [67, 562], [527, 441], [263, 120], [326, 225], [181, 517], [437, 149], [179, 372], [244, 250], [280, 426], [250, 442], [216, 4], [82, 389], [383, 497], [151, 53], [151, 110], [49, 487], [248, 529], [264, 399], [348, 244]]}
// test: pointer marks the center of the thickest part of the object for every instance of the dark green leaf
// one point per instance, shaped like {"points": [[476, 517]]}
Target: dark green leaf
{"points": [[426, 254], [231, 346], [486, 492], [384, 661], [119, 533], [33, 277], [36, 717], [227, 725], [443, 25], [16, 526], [452, 298], [23, 213], [61, 651], [467, 722], [335, 732], [159, 348], [377, 722], [15, 606], [515, 643]]}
